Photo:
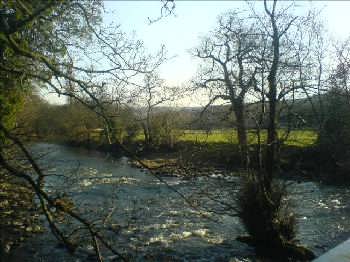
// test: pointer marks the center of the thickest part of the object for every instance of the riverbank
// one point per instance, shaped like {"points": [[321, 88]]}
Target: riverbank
{"points": [[19, 215], [189, 158], [185, 159]]}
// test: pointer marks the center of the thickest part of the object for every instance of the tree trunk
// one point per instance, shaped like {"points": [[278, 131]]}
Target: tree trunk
{"points": [[147, 134], [271, 140], [239, 109], [272, 95]]}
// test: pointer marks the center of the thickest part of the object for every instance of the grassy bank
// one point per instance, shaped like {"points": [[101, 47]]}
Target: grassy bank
{"points": [[299, 138], [196, 150]]}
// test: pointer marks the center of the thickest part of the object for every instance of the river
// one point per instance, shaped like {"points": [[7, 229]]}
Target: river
{"points": [[155, 224]]}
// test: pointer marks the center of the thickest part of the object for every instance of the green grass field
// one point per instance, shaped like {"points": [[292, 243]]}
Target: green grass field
{"points": [[299, 138]]}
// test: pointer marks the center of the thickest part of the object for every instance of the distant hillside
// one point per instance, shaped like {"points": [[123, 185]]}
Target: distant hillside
{"points": [[301, 114]]}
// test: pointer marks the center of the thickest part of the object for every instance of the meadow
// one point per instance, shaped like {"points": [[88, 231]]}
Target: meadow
{"points": [[298, 138]]}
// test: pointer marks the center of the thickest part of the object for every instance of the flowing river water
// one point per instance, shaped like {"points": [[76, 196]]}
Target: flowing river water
{"points": [[155, 224]]}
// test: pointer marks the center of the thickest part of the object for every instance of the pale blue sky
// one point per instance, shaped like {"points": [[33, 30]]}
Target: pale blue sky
{"points": [[192, 19]]}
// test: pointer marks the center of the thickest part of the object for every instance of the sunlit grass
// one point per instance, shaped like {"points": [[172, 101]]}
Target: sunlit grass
{"points": [[299, 138]]}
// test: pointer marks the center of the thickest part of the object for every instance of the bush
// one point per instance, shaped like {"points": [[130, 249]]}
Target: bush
{"points": [[266, 216], [334, 138], [333, 145], [163, 129]]}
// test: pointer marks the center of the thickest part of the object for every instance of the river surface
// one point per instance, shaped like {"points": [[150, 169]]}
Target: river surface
{"points": [[154, 222]]}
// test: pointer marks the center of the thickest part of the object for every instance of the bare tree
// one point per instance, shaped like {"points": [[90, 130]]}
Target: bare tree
{"points": [[152, 94], [229, 68], [294, 71]]}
